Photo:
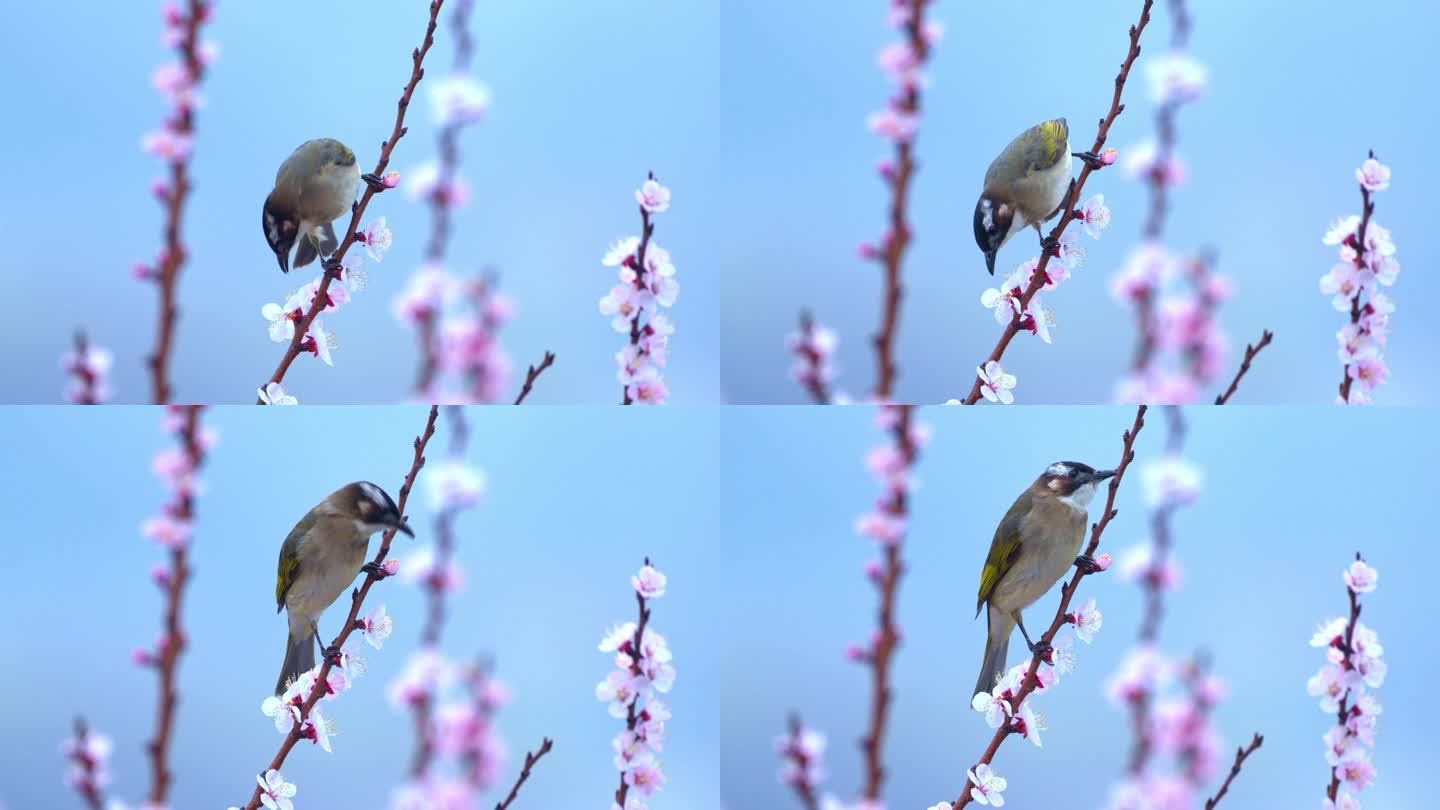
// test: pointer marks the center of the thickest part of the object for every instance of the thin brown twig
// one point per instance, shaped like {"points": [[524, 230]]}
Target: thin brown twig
{"points": [[1067, 593], [804, 788], [302, 327], [533, 374], [1251, 349], [1240, 756], [530, 759], [87, 392], [1068, 207], [168, 656], [1367, 208], [174, 256], [357, 599], [898, 240], [647, 228], [632, 717], [887, 635]]}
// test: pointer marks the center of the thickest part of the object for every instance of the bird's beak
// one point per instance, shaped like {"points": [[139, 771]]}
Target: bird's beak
{"points": [[283, 257], [401, 526], [990, 261], [1101, 475]]}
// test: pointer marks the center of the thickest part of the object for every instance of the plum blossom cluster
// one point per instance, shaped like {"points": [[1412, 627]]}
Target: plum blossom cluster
{"points": [[814, 348], [178, 82], [89, 755], [282, 319], [1008, 301], [1367, 263], [458, 322], [647, 286], [802, 762], [89, 368], [632, 691], [458, 703], [1181, 346], [1354, 667]]}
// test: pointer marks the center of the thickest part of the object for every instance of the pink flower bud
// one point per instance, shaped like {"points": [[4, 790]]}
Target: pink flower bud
{"points": [[854, 652], [392, 179], [392, 567], [867, 251]]}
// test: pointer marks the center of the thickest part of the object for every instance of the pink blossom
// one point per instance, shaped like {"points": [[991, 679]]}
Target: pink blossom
{"points": [[988, 786], [1087, 621], [1360, 577], [376, 238], [376, 626], [894, 125], [459, 99], [1332, 684], [995, 383], [167, 145], [426, 294], [649, 583], [391, 179], [1373, 175], [167, 531], [1176, 78], [1095, 216], [653, 197]]}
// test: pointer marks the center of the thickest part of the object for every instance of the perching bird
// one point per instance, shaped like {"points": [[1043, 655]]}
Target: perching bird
{"points": [[315, 186], [1034, 544], [321, 557], [1025, 186]]}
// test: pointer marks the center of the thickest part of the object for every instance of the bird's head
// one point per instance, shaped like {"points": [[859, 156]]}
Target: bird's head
{"points": [[1072, 482], [994, 219], [281, 226], [370, 508]]}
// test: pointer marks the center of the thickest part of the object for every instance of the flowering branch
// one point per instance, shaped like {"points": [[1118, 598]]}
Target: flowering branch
{"points": [[1353, 653], [892, 465], [905, 62], [1069, 213], [813, 346], [375, 572], [180, 469], [173, 143], [532, 374], [1028, 680], [1367, 259], [802, 750], [647, 284], [1251, 349], [642, 672], [89, 754], [530, 759], [1241, 753], [90, 366], [335, 262]]}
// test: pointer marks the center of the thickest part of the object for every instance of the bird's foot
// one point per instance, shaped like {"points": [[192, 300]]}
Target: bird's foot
{"points": [[1088, 564], [1041, 649], [376, 184], [1048, 244], [331, 265], [332, 654], [374, 569], [1094, 161]]}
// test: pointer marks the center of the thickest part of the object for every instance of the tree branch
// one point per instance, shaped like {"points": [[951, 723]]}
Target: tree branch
{"points": [[1068, 207], [1250, 351], [533, 374], [530, 759], [357, 596], [1067, 591], [1240, 755]]}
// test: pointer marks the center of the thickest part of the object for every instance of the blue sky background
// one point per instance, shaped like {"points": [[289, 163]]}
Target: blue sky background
{"points": [[1291, 111], [1291, 494], [548, 553], [587, 98]]}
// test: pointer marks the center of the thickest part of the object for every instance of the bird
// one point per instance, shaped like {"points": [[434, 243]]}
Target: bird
{"points": [[1025, 185], [1036, 541], [315, 186], [320, 558]]}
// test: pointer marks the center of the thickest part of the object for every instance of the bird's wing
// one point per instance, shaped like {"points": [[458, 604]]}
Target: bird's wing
{"points": [[1003, 548], [1036, 149], [288, 569]]}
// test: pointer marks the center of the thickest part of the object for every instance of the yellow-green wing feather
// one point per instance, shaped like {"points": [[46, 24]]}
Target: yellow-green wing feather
{"points": [[1002, 548], [1033, 150], [288, 568]]}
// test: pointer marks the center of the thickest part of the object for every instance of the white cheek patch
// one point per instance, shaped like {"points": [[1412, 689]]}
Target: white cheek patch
{"points": [[1080, 498], [373, 493]]}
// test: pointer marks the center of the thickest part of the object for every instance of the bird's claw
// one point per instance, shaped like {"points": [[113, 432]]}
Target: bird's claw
{"points": [[1090, 159], [331, 265], [376, 184], [332, 654], [374, 569], [1087, 564], [1041, 649], [1048, 244]]}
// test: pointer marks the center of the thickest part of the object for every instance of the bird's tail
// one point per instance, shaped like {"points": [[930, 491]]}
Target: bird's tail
{"points": [[997, 643], [299, 657]]}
